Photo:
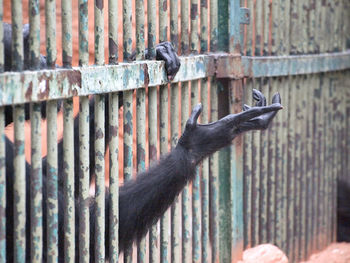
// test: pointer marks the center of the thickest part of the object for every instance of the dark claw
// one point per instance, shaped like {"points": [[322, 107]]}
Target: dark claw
{"points": [[165, 51]]}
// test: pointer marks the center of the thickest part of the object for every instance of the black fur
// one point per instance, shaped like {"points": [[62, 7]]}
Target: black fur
{"points": [[343, 211]]}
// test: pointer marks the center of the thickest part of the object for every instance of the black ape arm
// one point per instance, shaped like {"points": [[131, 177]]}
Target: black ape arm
{"points": [[143, 200]]}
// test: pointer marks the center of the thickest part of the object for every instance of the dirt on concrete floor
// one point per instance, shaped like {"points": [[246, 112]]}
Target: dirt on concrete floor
{"points": [[267, 253]]}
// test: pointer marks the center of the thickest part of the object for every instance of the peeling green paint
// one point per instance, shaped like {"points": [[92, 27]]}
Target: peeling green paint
{"points": [[52, 182], [113, 178]]}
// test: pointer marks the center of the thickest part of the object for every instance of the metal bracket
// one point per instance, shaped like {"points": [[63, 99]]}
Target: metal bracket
{"points": [[244, 16]]}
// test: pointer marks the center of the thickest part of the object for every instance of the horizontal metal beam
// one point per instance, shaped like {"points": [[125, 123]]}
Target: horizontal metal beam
{"points": [[274, 66], [27, 86]]}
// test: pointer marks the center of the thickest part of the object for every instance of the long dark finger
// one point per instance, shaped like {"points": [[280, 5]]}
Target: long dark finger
{"points": [[259, 97], [238, 118], [260, 123], [246, 107], [276, 98], [192, 121]]}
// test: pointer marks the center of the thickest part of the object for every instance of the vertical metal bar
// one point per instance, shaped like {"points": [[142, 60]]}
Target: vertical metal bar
{"points": [[284, 142], [19, 186], [127, 102], [276, 84], [84, 135], [113, 31], [52, 183], [127, 30], [140, 29], [291, 158], [247, 194], [128, 146], [99, 139], [163, 20], [174, 104], [164, 126], [141, 109], [265, 219], [258, 10], [2, 58], [205, 180], [186, 224], [152, 140], [100, 178], [152, 119], [50, 31], [213, 181], [312, 47], [113, 178], [34, 34], [164, 221], [36, 184], [67, 33], [151, 21], [196, 224], [204, 119], [84, 179], [214, 159], [236, 95], [141, 153], [175, 209], [68, 172], [196, 218], [297, 161], [83, 33], [99, 32], [247, 159], [271, 171], [267, 175], [17, 35], [283, 49], [2, 184], [308, 173]]}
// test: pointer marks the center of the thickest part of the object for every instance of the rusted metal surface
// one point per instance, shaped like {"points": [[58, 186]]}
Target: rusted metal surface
{"points": [[20, 87], [164, 148], [19, 186], [294, 65], [50, 31], [36, 183], [2, 57], [113, 31], [141, 153], [83, 33], [2, 188], [174, 135], [34, 34], [100, 178], [52, 183], [152, 153], [196, 203], [17, 35], [128, 147], [67, 36], [113, 178], [68, 177], [84, 179]]}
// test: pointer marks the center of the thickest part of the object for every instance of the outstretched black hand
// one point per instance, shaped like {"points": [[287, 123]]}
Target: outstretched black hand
{"points": [[200, 140]]}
